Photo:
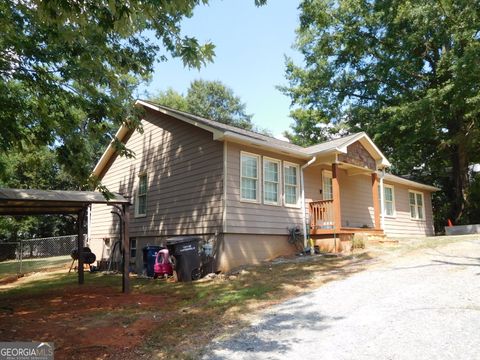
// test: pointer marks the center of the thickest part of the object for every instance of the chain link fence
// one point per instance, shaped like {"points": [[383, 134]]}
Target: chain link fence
{"points": [[25, 256]]}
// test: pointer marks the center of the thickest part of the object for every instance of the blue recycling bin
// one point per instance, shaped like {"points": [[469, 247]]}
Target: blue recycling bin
{"points": [[149, 256]]}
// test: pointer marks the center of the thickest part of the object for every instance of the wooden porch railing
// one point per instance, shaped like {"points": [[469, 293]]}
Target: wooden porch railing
{"points": [[322, 214]]}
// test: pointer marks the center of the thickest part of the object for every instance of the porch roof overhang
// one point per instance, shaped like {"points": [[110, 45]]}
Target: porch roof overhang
{"points": [[39, 202]]}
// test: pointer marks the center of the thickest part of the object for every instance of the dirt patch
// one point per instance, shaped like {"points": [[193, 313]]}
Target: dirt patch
{"points": [[84, 323]]}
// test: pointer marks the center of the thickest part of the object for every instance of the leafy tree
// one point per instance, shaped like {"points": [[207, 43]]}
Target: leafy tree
{"points": [[34, 167], [407, 73], [172, 99], [210, 99], [68, 68]]}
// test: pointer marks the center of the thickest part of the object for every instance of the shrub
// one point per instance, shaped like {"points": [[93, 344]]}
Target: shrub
{"points": [[358, 242]]}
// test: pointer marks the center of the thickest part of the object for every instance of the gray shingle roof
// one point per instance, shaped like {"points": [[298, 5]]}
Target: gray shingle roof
{"points": [[332, 144], [311, 150], [224, 127]]}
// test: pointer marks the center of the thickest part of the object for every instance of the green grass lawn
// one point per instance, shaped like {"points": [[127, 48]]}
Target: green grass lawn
{"points": [[12, 267]]}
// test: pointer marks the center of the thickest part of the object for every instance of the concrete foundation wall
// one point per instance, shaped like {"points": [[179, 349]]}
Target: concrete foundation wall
{"points": [[240, 249]]}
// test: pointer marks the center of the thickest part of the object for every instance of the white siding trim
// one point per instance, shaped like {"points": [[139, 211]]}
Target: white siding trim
{"points": [[225, 154], [382, 205]]}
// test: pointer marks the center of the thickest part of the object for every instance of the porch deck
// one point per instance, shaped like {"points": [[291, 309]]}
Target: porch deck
{"points": [[344, 230], [323, 221]]}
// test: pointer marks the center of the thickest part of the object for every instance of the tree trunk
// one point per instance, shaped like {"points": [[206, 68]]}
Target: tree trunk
{"points": [[460, 181]]}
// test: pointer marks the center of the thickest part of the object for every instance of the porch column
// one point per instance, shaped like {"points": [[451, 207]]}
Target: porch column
{"points": [[376, 202], [337, 215]]}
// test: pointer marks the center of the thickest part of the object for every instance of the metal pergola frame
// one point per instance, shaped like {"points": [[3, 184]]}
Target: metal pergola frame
{"points": [[57, 202]]}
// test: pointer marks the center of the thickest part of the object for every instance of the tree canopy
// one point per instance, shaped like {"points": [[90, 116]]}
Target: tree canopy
{"points": [[407, 73], [68, 68], [35, 167], [210, 99]]}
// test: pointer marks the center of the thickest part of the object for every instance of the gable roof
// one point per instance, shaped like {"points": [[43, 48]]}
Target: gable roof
{"points": [[222, 131], [338, 145], [221, 127]]}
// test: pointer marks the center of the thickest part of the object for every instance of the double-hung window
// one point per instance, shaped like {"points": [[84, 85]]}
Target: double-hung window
{"points": [[271, 181], [417, 210], [290, 183], [249, 177], [141, 203], [388, 200]]}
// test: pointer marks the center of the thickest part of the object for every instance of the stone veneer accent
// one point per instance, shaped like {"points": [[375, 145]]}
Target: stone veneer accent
{"points": [[359, 156]]}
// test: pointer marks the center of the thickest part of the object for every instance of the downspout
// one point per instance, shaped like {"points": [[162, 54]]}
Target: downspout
{"points": [[382, 203], [304, 210]]}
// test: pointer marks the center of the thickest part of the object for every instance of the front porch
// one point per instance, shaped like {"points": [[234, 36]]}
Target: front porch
{"points": [[325, 216]]}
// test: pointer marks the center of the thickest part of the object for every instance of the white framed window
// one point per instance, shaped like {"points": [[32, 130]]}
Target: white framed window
{"points": [[133, 248], [249, 177], [271, 181], [327, 187], [290, 183], [388, 200], [141, 201], [417, 208]]}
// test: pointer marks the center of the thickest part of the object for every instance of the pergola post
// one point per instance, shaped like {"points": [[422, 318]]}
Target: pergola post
{"points": [[80, 219], [126, 250]]}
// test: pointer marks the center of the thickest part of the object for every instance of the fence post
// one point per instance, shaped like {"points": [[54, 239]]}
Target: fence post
{"points": [[20, 258]]}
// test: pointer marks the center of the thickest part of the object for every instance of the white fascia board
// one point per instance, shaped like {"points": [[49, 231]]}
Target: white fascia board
{"points": [[110, 151]]}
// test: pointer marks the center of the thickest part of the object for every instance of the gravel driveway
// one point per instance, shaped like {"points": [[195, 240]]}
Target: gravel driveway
{"points": [[422, 306]]}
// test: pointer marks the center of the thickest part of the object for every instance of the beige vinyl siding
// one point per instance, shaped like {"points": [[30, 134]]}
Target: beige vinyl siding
{"points": [[252, 218], [356, 200], [401, 224], [313, 184], [184, 168]]}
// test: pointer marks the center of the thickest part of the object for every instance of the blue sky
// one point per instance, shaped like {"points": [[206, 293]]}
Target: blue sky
{"points": [[250, 46]]}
